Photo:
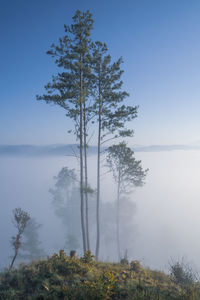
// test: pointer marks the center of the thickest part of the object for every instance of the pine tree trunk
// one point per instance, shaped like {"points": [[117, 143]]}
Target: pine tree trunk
{"points": [[98, 190], [16, 246], [86, 180], [117, 219], [13, 260], [81, 164], [98, 175]]}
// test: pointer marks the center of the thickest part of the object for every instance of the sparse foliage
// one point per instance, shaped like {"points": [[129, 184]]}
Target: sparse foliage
{"points": [[20, 221]]}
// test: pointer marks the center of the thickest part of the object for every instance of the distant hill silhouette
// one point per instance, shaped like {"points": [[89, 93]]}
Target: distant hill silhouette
{"points": [[72, 149], [32, 150]]}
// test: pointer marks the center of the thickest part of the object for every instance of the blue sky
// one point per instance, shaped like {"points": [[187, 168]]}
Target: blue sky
{"points": [[159, 41]]}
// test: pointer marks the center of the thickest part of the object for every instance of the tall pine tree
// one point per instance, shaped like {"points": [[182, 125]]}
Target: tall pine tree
{"points": [[70, 89], [111, 114]]}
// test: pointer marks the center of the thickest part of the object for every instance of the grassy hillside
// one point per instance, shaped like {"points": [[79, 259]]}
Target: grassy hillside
{"points": [[60, 277]]}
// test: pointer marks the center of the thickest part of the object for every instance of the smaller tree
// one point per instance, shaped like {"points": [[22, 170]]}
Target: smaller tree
{"points": [[65, 201], [127, 173], [31, 246], [20, 221]]}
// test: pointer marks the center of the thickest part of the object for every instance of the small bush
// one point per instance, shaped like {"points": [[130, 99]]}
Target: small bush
{"points": [[87, 258], [135, 266], [182, 273]]}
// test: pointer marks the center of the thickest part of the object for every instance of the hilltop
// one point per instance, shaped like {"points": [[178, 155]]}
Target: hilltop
{"points": [[62, 277]]}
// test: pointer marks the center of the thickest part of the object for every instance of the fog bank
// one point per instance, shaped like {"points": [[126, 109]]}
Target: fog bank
{"points": [[165, 222]]}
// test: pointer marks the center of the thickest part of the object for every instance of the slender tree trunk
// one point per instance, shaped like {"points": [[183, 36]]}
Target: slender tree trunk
{"points": [[81, 164], [17, 246], [86, 178], [13, 260], [117, 219], [98, 191], [98, 175]]}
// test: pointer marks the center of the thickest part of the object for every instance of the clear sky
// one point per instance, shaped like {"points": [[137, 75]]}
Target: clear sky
{"points": [[159, 41]]}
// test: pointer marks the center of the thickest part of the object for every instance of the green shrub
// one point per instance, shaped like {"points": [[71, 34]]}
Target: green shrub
{"points": [[182, 273], [87, 258], [135, 266], [62, 277]]}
